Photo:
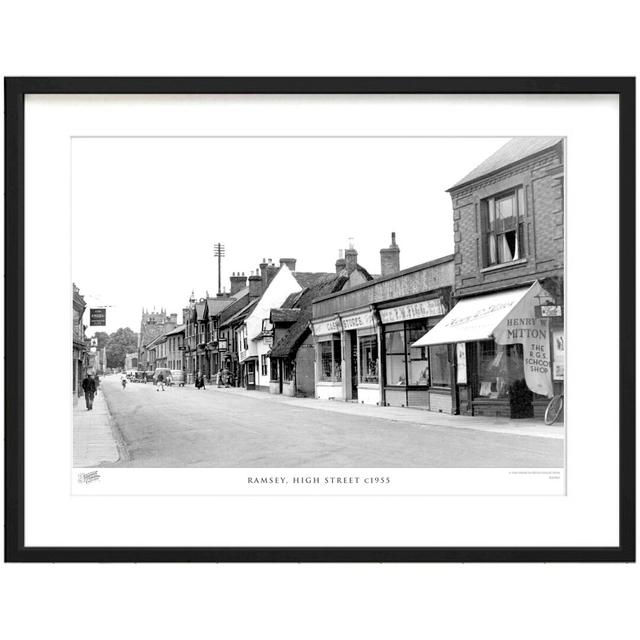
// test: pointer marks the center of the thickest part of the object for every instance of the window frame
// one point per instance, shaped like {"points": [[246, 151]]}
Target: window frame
{"points": [[494, 230], [363, 341]]}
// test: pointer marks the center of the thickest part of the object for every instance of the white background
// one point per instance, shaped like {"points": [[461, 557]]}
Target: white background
{"points": [[331, 38]]}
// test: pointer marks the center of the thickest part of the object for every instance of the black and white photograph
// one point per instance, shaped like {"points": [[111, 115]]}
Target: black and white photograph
{"points": [[318, 302], [365, 318]]}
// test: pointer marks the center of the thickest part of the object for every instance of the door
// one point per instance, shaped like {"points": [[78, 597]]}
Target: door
{"points": [[251, 374], [354, 365]]}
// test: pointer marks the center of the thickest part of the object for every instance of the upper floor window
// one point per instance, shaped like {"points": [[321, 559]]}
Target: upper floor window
{"points": [[503, 227]]}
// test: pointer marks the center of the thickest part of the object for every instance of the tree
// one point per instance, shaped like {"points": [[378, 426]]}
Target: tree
{"points": [[120, 343], [103, 338]]}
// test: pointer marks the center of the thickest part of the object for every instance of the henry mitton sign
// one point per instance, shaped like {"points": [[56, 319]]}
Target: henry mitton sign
{"points": [[97, 317]]}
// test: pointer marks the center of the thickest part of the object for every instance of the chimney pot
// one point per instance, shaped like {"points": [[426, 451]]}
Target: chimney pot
{"points": [[351, 258], [390, 258]]}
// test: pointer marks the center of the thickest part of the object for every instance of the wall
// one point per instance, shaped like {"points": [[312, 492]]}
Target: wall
{"points": [[329, 391], [369, 394], [542, 177], [305, 369], [409, 282]]}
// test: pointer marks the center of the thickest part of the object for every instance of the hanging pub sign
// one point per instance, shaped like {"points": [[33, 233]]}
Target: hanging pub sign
{"points": [[222, 344], [97, 317]]}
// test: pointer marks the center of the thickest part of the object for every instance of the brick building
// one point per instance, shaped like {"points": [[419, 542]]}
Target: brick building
{"points": [[508, 217]]}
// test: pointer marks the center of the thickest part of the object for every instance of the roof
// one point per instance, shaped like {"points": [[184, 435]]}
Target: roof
{"points": [[513, 151], [297, 333], [285, 314], [216, 305], [240, 314], [178, 329], [310, 279], [200, 306]]}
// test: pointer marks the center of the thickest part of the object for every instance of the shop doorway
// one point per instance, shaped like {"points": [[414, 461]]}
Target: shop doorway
{"points": [[353, 339], [251, 374]]}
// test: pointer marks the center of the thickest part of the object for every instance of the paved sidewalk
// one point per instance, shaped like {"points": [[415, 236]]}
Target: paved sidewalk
{"points": [[533, 428], [93, 436]]}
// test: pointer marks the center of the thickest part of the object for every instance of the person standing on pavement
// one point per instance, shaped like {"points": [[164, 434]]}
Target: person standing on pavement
{"points": [[160, 382], [89, 388]]}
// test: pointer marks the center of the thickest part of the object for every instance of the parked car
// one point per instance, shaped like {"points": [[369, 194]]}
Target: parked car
{"points": [[177, 377]]}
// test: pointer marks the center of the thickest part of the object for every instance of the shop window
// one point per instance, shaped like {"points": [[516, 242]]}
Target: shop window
{"points": [[264, 365], [418, 363], [395, 361], [274, 370], [504, 228], [369, 360], [330, 360], [499, 367], [288, 371]]}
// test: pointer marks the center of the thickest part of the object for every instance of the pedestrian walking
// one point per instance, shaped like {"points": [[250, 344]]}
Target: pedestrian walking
{"points": [[199, 381], [160, 382], [123, 379], [89, 388]]}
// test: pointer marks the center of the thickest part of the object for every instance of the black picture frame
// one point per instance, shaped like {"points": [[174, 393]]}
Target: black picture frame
{"points": [[15, 91]]}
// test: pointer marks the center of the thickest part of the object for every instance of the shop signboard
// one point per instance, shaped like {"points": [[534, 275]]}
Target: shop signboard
{"points": [[424, 309], [98, 317], [222, 344], [360, 321], [522, 327], [328, 326], [461, 357], [549, 311], [558, 354]]}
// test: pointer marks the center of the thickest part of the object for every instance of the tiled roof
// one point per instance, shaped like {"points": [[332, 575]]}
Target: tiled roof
{"points": [[513, 151], [285, 315], [216, 305], [178, 329], [310, 279], [297, 333], [245, 311]]}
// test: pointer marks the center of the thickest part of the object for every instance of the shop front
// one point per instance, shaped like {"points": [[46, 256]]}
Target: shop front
{"points": [[329, 359], [509, 357], [366, 356], [416, 376]]}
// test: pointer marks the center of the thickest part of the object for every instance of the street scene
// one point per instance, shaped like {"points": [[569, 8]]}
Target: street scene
{"points": [[338, 357]]}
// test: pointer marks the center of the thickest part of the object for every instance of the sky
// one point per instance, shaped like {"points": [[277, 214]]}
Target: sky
{"points": [[146, 212]]}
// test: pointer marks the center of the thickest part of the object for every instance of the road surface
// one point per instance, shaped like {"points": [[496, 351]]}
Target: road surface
{"points": [[185, 427]]}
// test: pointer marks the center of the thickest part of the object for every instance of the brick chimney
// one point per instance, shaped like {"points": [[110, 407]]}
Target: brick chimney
{"points": [[341, 263], [173, 319], [290, 262], [390, 258], [267, 271], [238, 281], [351, 257], [255, 285]]}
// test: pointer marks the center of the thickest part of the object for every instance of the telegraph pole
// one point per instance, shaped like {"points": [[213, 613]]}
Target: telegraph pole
{"points": [[218, 252]]}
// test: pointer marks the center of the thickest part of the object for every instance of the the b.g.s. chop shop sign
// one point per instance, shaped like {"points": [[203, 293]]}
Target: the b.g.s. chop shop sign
{"points": [[533, 334]]}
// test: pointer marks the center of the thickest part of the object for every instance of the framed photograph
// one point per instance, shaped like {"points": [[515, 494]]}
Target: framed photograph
{"points": [[320, 319]]}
